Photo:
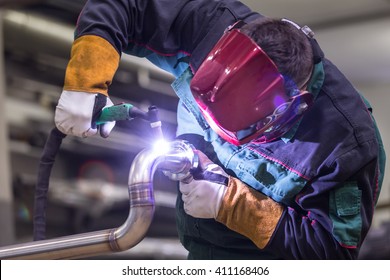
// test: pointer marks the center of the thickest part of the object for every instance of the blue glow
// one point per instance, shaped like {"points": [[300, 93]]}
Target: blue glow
{"points": [[24, 213], [278, 100]]}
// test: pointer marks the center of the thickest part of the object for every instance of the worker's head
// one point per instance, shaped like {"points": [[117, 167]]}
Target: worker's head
{"points": [[252, 84], [286, 45]]}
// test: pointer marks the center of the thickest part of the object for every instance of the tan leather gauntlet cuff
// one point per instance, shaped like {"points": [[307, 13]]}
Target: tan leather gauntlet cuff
{"points": [[249, 212], [92, 65]]}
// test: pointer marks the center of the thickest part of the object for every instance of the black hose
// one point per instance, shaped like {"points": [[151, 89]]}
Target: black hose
{"points": [[46, 163]]}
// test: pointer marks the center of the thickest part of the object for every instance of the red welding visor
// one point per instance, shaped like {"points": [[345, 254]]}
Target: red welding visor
{"points": [[241, 93]]}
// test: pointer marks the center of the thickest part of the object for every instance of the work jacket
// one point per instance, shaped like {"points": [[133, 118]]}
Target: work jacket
{"points": [[326, 171]]}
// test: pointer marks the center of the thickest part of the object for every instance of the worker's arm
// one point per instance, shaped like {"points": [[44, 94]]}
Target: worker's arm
{"points": [[320, 224], [165, 27], [162, 31]]}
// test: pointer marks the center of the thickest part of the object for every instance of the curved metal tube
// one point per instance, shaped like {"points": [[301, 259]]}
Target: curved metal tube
{"points": [[179, 159]]}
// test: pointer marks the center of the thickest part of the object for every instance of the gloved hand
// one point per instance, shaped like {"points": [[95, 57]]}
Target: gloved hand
{"points": [[77, 111], [203, 192]]}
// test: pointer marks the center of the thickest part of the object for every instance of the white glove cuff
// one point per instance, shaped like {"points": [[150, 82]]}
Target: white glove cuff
{"points": [[73, 115]]}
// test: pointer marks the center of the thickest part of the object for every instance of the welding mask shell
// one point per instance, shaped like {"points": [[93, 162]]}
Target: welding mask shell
{"points": [[241, 93]]}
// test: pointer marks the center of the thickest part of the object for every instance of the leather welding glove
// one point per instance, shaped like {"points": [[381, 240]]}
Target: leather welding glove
{"points": [[202, 193], [91, 68], [77, 112], [211, 193]]}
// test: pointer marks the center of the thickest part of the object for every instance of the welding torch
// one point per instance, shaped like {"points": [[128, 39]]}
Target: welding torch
{"points": [[126, 111]]}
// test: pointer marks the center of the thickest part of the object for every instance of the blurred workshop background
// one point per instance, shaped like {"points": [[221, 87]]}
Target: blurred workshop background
{"points": [[88, 188]]}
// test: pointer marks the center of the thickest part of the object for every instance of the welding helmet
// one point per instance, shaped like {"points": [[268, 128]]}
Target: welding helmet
{"points": [[241, 93]]}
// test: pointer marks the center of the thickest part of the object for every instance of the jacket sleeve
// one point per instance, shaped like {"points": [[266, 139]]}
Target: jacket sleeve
{"points": [[328, 220], [145, 28]]}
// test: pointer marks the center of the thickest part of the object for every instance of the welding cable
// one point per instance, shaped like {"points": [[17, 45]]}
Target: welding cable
{"points": [[50, 150], [46, 163]]}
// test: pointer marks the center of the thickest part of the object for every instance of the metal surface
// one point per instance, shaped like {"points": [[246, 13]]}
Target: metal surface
{"points": [[179, 158]]}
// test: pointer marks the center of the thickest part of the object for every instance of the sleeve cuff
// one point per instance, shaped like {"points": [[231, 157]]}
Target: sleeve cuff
{"points": [[249, 212], [92, 65]]}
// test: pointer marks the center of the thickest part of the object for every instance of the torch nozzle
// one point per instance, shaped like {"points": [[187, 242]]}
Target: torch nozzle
{"points": [[155, 122]]}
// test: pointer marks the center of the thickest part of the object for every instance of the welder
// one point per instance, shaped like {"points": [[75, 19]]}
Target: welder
{"points": [[291, 161]]}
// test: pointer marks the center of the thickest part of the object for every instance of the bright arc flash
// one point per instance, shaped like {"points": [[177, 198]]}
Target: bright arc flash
{"points": [[161, 147]]}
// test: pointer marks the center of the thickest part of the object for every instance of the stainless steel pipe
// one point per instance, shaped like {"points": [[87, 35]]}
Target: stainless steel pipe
{"points": [[175, 162]]}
